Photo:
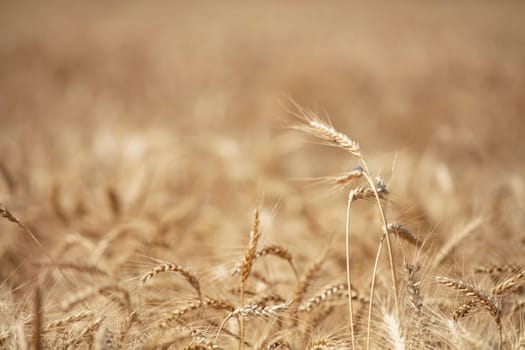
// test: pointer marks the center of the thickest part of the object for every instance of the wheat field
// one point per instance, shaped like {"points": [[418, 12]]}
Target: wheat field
{"points": [[273, 175]]}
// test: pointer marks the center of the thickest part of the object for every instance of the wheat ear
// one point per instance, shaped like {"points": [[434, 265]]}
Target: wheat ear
{"points": [[7, 214], [480, 297], [246, 266], [184, 271], [274, 250]]}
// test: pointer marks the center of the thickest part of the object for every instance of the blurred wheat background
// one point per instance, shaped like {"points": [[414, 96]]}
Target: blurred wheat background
{"points": [[133, 133]]}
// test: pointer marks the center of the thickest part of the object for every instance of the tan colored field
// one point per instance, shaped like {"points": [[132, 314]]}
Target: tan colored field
{"points": [[138, 140]]}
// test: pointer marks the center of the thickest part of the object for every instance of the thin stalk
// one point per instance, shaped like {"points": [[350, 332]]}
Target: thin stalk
{"points": [[350, 307], [241, 320], [389, 248], [376, 263]]}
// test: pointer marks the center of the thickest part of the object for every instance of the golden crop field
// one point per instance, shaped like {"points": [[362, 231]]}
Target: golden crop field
{"points": [[165, 180]]}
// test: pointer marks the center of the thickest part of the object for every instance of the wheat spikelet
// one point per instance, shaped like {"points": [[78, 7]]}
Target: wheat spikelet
{"points": [[254, 311], [481, 298], [274, 250], [216, 304], [324, 131], [80, 316], [249, 257], [334, 291], [509, 285], [403, 233], [184, 271], [464, 310], [413, 286], [260, 310], [362, 192], [498, 269], [246, 267]]}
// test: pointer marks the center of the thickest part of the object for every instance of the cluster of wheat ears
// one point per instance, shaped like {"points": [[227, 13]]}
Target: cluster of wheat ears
{"points": [[253, 310]]}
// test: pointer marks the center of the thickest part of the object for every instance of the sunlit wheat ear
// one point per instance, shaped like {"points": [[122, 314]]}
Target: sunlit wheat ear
{"points": [[489, 303], [184, 271], [326, 132], [216, 304], [465, 309], [403, 233], [509, 285], [481, 298], [273, 250], [249, 257], [261, 310], [246, 267], [330, 293], [256, 311], [363, 192], [79, 316]]}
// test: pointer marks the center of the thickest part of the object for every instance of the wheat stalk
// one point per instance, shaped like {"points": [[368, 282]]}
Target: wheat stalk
{"points": [[325, 131]]}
